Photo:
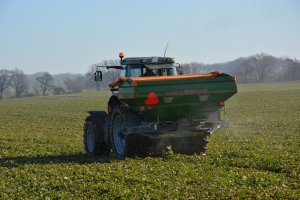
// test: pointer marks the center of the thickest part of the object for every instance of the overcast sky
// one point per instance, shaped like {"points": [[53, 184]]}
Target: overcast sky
{"points": [[62, 36]]}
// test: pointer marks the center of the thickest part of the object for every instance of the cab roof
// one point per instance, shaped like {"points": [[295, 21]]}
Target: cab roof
{"points": [[147, 60]]}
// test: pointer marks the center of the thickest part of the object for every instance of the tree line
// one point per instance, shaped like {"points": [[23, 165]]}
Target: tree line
{"points": [[257, 68], [16, 84], [253, 69]]}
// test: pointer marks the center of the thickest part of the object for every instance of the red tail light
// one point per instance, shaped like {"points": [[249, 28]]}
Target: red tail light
{"points": [[152, 99], [215, 73], [222, 104], [135, 84], [234, 78]]}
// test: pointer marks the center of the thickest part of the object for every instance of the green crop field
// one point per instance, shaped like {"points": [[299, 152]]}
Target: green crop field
{"points": [[42, 155]]}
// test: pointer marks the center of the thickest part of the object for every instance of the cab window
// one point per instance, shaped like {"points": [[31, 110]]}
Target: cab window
{"points": [[134, 70], [166, 72]]}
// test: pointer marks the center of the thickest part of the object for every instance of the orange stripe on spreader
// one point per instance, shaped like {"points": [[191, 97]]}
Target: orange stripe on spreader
{"points": [[160, 78]]}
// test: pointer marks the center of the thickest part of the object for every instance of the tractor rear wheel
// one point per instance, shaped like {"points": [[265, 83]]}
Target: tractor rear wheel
{"points": [[94, 143], [117, 139]]}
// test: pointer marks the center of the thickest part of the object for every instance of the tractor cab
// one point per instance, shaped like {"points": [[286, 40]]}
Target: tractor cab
{"points": [[144, 67]]}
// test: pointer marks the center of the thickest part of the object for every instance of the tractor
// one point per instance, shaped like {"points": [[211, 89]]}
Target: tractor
{"points": [[154, 107]]}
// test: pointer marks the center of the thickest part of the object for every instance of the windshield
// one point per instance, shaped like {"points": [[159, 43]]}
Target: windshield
{"points": [[164, 69], [142, 70]]}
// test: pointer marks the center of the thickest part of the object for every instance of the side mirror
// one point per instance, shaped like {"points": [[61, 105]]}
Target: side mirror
{"points": [[179, 69], [98, 76]]}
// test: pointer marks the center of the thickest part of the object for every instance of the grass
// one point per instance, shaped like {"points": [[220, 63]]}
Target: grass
{"points": [[42, 156]]}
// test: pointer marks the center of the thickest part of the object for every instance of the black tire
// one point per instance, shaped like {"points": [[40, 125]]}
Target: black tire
{"points": [[117, 140], [94, 143], [107, 130], [190, 146]]}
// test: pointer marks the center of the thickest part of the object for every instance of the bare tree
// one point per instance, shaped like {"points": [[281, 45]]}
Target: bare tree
{"points": [[262, 65], [291, 68], [44, 82], [75, 85], [296, 69], [36, 89], [58, 90], [5, 81], [246, 72], [19, 82]]}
